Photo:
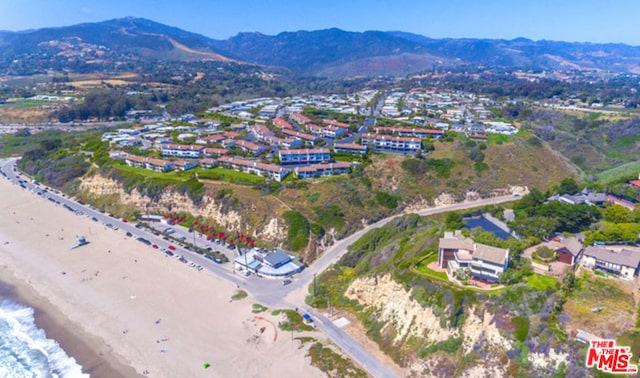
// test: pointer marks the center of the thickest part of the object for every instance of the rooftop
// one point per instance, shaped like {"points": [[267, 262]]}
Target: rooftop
{"points": [[624, 257]]}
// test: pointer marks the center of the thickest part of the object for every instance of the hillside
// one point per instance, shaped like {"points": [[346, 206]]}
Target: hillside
{"points": [[432, 327], [101, 45], [331, 52]]}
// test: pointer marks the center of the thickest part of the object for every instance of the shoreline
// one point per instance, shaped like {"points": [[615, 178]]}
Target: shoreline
{"points": [[89, 352], [121, 308]]}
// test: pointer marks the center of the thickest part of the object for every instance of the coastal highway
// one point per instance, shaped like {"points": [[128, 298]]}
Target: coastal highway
{"points": [[269, 292]]}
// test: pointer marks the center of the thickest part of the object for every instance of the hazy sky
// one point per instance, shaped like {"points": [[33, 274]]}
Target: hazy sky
{"points": [[561, 20]]}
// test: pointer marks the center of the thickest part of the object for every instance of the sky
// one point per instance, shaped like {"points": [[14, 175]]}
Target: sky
{"points": [[596, 21]]}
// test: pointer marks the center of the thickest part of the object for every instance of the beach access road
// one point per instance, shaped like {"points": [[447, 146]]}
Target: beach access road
{"points": [[266, 291]]}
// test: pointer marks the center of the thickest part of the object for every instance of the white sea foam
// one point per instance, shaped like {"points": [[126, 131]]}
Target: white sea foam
{"points": [[25, 351]]}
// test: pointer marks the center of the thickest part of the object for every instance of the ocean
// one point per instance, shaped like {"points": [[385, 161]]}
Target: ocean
{"points": [[25, 350]]}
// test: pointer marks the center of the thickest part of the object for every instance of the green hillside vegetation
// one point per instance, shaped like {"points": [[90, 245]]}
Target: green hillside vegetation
{"points": [[530, 309], [595, 144], [333, 206]]}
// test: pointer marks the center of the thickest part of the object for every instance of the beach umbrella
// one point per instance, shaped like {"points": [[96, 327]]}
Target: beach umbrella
{"points": [[206, 365]]}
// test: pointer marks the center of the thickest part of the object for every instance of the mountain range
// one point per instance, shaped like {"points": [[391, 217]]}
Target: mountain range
{"points": [[331, 52]]}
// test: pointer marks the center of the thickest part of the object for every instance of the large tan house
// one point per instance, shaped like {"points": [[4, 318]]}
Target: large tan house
{"points": [[624, 264], [456, 252]]}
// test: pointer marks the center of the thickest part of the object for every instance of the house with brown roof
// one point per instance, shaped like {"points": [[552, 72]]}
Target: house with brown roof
{"points": [[209, 152], [350, 148], [457, 252], [335, 123], [246, 146], [624, 264], [300, 118], [569, 251], [281, 124], [302, 136]]}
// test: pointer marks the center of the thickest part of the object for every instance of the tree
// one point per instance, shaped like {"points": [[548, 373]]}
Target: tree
{"points": [[453, 221], [533, 199], [538, 227], [619, 214], [567, 186]]}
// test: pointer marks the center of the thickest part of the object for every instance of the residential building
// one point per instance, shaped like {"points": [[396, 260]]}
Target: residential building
{"points": [[621, 202], [299, 118], [261, 131], [218, 138], [184, 165], [231, 135], [588, 197], [281, 124], [326, 132], [302, 136], [624, 264], [394, 144], [157, 165], [272, 171], [228, 143], [322, 170], [207, 163], [569, 251], [457, 252], [268, 111], [209, 152], [283, 143], [249, 147], [408, 132], [350, 148], [182, 150], [305, 156], [335, 123]]}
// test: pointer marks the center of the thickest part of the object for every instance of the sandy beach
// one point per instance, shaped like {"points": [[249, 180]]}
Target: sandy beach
{"points": [[122, 308]]}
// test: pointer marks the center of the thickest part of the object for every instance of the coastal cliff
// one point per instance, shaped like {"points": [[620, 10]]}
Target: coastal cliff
{"points": [[242, 211]]}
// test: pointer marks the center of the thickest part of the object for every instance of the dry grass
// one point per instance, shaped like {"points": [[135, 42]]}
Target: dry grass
{"points": [[84, 84], [614, 296], [24, 115]]}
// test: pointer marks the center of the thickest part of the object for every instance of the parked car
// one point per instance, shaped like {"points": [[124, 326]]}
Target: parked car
{"points": [[286, 282], [172, 248]]}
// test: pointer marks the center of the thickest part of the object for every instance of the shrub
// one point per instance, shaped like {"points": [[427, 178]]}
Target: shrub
{"points": [[545, 252], [387, 200], [298, 234]]}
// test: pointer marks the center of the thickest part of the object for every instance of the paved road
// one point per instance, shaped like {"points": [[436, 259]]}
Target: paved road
{"points": [[269, 292]]}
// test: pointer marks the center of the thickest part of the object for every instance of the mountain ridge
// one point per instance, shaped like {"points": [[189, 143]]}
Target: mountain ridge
{"points": [[328, 52]]}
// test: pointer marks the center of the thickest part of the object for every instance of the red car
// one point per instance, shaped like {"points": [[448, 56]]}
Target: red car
{"points": [[172, 248], [155, 246], [124, 220]]}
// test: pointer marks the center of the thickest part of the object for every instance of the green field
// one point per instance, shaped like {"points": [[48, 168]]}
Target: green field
{"points": [[619, 172], [540, 282], [230, 175], [218, 173], [423, 269], [147, 173], [26, 104]]}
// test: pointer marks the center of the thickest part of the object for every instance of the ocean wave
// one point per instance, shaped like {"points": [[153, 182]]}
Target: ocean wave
{"points": [[25, 350]]}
